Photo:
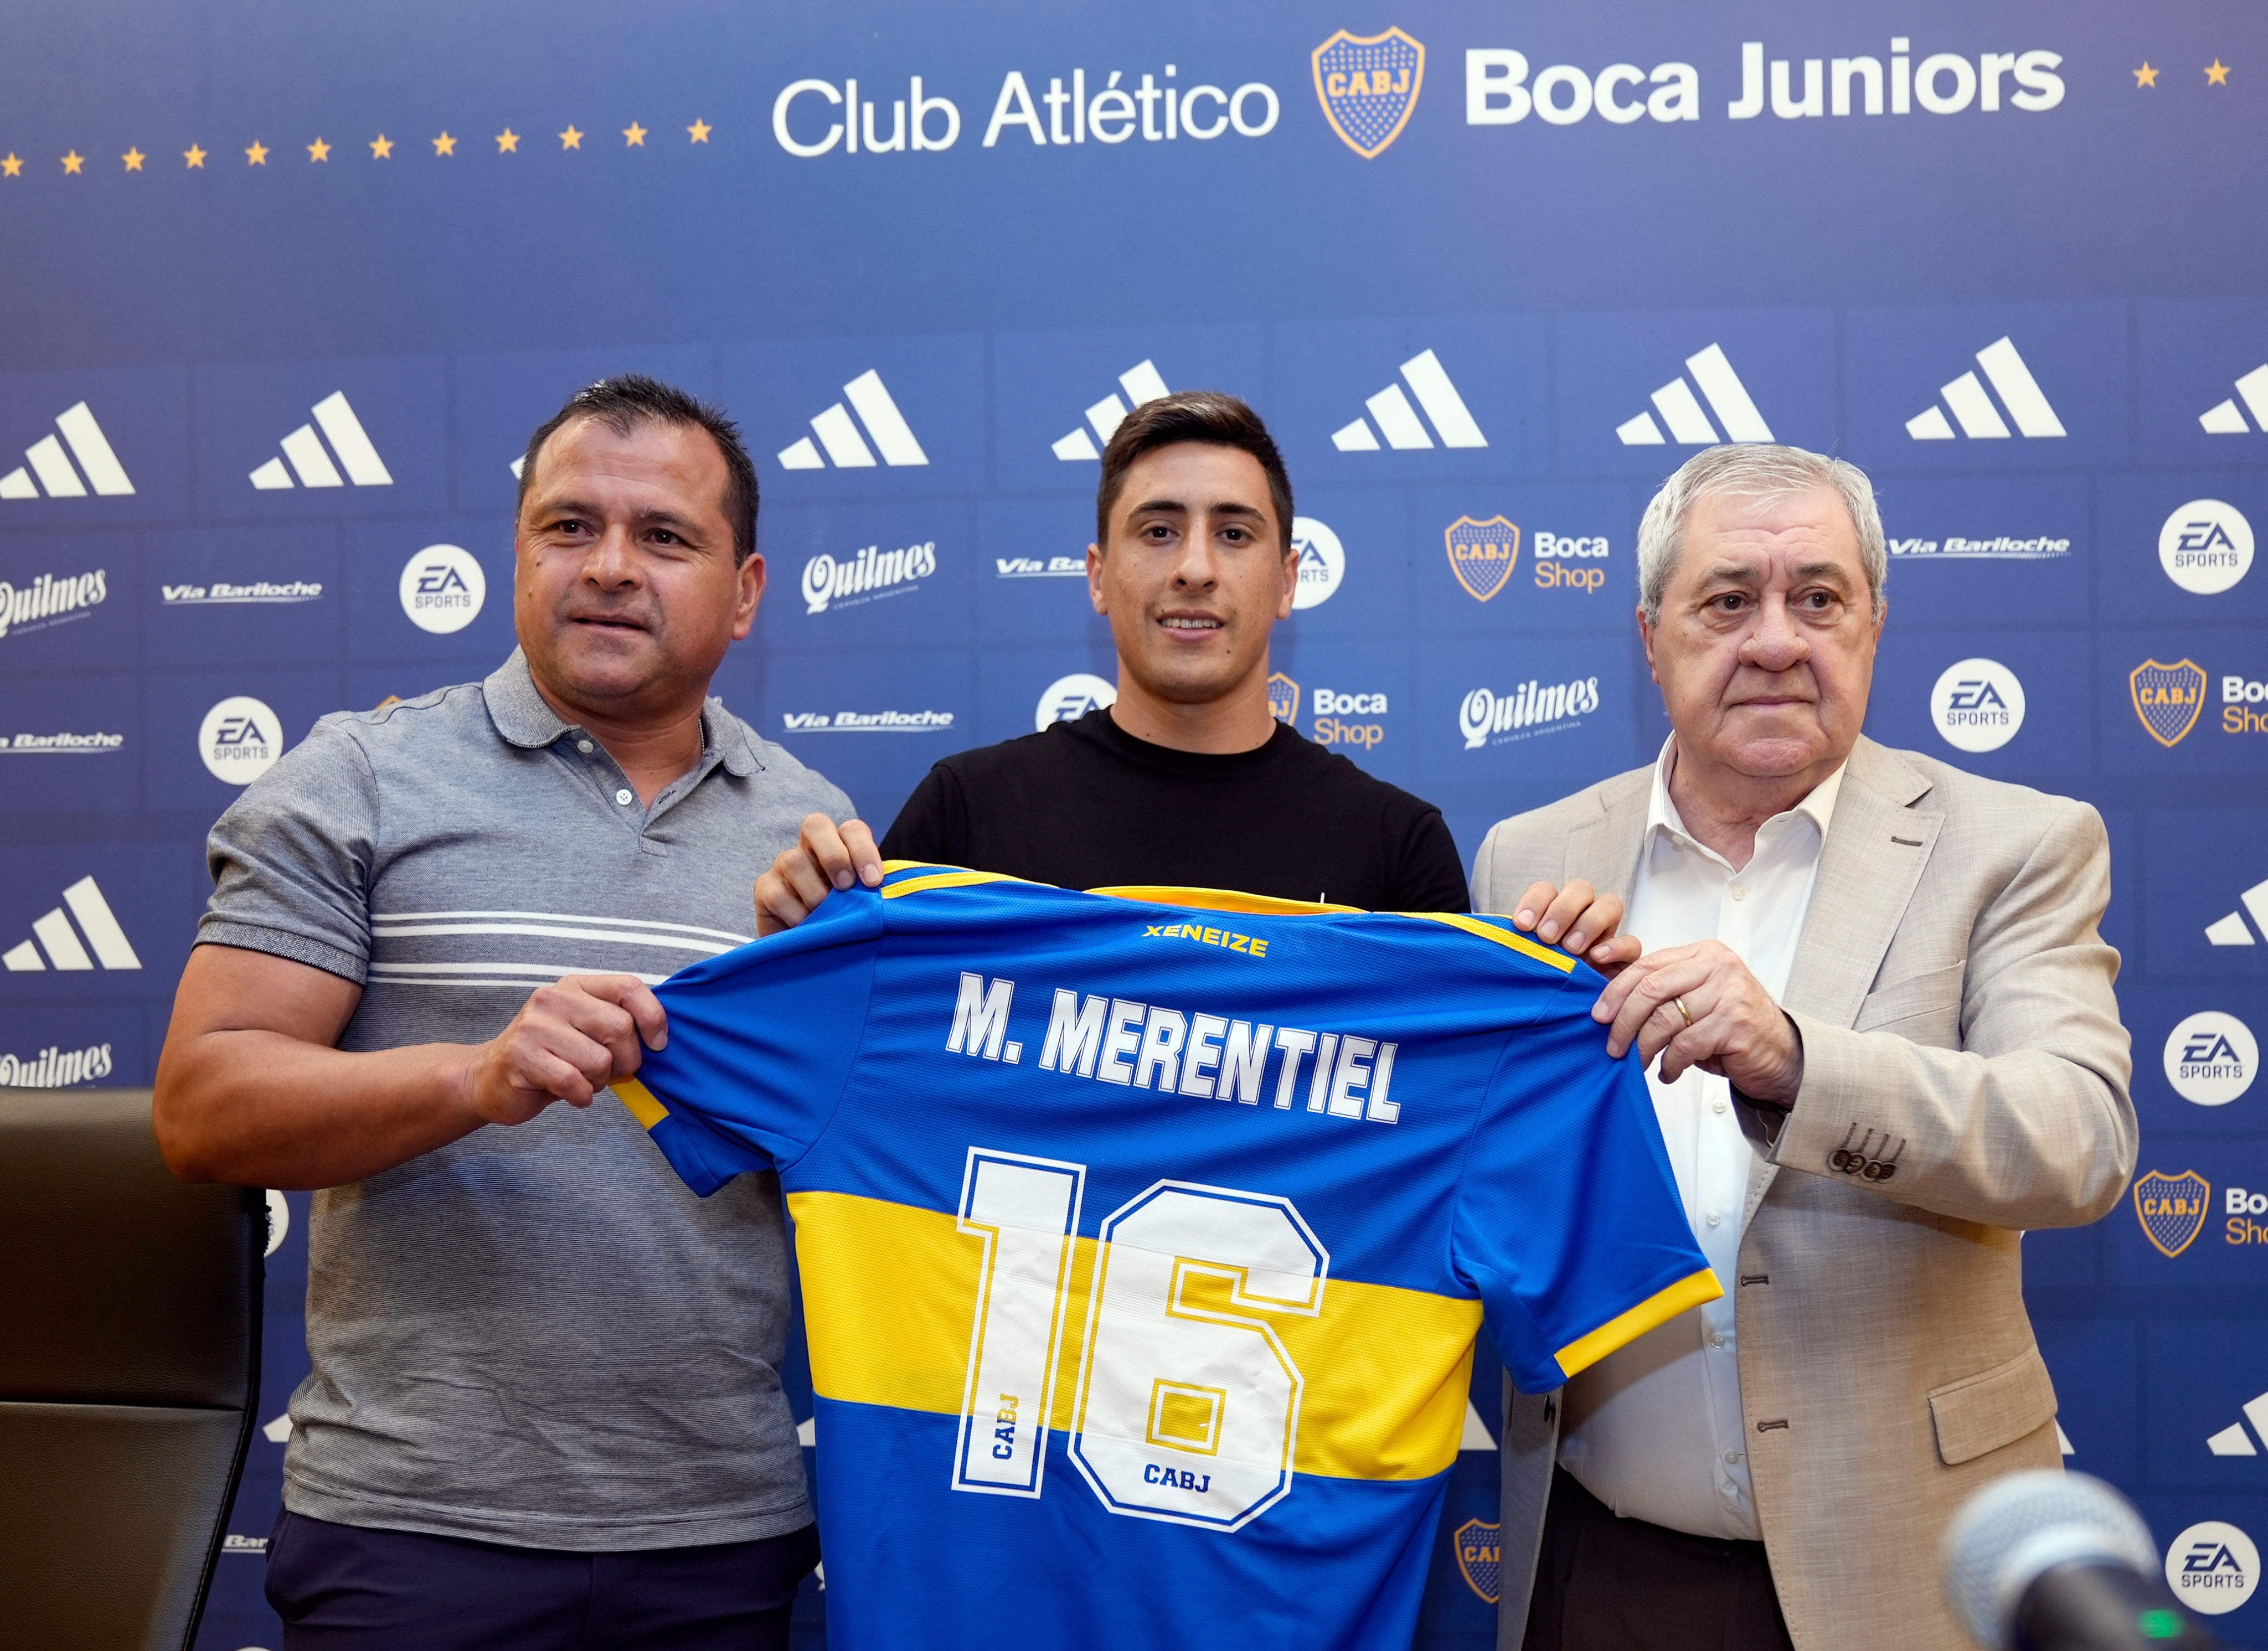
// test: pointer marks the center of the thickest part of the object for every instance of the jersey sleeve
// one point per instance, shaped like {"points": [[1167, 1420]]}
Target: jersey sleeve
{"points": [[1568, 1222], [761, 1042]]}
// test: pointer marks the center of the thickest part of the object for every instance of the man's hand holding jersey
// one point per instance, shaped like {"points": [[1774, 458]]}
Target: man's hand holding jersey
{"points": [[826, 858], [568, 1041], [1698, 1006]]}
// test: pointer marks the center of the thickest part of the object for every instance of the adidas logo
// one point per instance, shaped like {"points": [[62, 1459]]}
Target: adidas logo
{"points": [[61, 942], [2230, 930], [312, 465], [1681, 409], [1399, 421], [838, 431], [1142, 383], [57, 480], [2233, 1440], [1973, 409], [2224, 420]]}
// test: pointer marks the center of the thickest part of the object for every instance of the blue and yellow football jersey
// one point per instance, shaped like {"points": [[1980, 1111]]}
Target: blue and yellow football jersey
{"points": [[1144, 1237]]}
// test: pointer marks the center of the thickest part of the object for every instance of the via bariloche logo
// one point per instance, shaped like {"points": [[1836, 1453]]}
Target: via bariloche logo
{"points": [[1368, 84], [2167, 698]]}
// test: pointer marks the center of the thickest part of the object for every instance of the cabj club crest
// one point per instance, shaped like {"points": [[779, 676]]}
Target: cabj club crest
{"points": [[2172, 1208], [1482, 554], [1480, 1556], [1367, 86], [1282, 697], [2167, 698]]}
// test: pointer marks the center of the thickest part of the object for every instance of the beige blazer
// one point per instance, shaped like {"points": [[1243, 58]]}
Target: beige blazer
{"points": [[1954, 1000]]}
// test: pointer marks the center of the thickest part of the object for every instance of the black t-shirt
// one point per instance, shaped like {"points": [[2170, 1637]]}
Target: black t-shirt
{"points": [[1085, 805]]}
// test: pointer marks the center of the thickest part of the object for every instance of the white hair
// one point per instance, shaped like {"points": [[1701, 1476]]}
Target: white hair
{"points": [[1759, 471]]}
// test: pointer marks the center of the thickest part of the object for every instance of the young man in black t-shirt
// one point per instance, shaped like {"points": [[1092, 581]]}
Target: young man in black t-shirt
{"points": [[1188, 779]]}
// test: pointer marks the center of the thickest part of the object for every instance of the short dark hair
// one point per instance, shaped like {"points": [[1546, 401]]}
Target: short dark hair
{"points": [[631, 399], [1208, 417]]}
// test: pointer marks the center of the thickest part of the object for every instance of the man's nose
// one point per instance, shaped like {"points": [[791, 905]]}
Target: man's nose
{"points": [[1774, 641], [1198, 568], [610, 563]]}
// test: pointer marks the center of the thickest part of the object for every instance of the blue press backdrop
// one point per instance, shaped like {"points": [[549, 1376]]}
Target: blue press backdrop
{"points": [[290, 284]]}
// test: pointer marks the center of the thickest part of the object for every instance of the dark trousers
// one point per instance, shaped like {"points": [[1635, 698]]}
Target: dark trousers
{"points": [[347, 1587], [1610, 1584]]}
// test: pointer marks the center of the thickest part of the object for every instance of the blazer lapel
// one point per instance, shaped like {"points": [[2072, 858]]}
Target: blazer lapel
{"points": [[1877, 845]]}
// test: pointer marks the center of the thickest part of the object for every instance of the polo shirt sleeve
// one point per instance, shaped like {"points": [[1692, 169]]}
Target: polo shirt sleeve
{"points": [[291, 860], [761, 1044], [1569, 1225]]}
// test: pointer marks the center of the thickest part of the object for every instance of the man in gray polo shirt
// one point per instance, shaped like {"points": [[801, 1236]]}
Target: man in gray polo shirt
{"points": [[545, 1408]]}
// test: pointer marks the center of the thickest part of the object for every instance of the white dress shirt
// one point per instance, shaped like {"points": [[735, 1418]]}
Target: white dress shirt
{"points": [[1654, 1430]]}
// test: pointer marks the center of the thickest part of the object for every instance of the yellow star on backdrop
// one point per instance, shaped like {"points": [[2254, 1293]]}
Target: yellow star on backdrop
{"points": [[445, 144], [73, 161], [507, 142], [2218, 75], [634, 136], [194, 156], [133, 157], [12, 166], [700, 130], [381, 148], [2146, 76], [257, 155], [319, 151], [570, 139]]}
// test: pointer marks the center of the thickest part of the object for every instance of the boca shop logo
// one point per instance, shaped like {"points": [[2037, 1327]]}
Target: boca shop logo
{"points": [[2167, 698], [1368, 85], [2172, 1209]]}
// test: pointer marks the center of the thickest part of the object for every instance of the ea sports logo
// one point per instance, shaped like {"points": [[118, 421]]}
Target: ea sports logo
{"points": [[2211, 1058], [1977, 705], [240, 739], [1068, 698], [2213, 1567], [2205, 546], [442, 589], [1322, 559]]}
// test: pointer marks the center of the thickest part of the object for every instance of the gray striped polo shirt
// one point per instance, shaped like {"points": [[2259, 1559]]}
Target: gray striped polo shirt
{"points": [[536, 1335]]}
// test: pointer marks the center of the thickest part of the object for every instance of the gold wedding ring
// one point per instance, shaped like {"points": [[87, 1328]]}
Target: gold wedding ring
{"points": [[1683, 1010]]}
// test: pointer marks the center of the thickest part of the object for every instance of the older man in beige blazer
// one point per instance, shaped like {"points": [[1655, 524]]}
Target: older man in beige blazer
{"points": [[1887, 1044]]}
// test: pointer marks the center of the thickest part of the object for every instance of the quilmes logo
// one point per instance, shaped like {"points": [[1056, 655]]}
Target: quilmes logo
{"points": [[1282, 697], [1681, 409], [44, 459], [54, 940], [2223, 419], [1482, 554], [1322, 562], [839, 433], [311, 464], [2205, 547], [2213, 1567], [240, 739], [1404, 430], [442, 588], [1368, 85], [2229, 930], [1977, 704], [56, 1068], [2172, 1208], [2211, 1058], [2233, 1440], [871, 575], [259, 593], [1486, 717], [1068, 698], [1142, 383], [2167, 698], [49, 600], [1479, 1547], [1972, 409], [866, 721]]}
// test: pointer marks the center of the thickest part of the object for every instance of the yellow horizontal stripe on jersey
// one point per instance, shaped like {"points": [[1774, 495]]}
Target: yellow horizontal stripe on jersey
{"points": [[1219, 900], [890, 1294], [640, 1099], [945, 879], [1657, 1309], [1516, 940]]}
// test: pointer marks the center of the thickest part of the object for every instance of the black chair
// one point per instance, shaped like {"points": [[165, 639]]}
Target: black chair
{"points": [[130, 1371]]}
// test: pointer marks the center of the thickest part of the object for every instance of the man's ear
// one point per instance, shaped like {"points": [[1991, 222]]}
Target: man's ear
{"points": [[1291, 583], [1646, 640], [1094, 579], [748, 590]]}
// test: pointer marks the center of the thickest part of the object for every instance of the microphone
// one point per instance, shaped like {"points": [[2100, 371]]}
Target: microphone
{"points": [[2049, 1561]]}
